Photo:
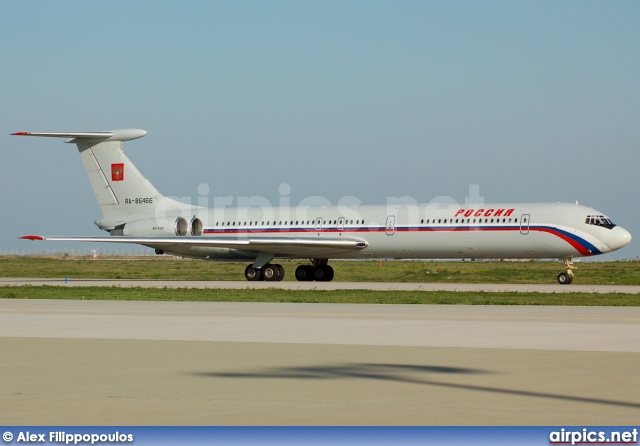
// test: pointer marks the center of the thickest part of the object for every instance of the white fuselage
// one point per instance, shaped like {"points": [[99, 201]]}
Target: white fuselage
{"points": [[512, 230]]}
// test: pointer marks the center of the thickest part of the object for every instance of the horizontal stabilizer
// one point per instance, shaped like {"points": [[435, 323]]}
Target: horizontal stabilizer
{"points": [[112, 135]]}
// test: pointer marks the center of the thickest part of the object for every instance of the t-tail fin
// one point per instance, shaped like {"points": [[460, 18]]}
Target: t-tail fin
{"points": [[120, 188]]}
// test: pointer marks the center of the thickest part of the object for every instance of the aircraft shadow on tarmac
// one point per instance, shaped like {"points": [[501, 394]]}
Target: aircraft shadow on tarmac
{"points": [[402, 373], [387, 372]]}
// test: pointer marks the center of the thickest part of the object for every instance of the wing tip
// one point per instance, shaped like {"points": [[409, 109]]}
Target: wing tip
{"points": [[21, 134], [32, 237]]}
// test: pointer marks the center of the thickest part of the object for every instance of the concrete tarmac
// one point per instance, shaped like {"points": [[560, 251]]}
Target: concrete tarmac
{"points": [[183, 363], [371, 286]]}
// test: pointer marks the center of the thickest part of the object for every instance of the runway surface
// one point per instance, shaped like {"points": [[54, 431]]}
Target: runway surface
{"points": [[372, 286], [181, 363]]}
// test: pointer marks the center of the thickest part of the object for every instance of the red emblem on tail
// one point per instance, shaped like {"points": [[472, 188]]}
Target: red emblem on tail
{"points": [[117, 172]]}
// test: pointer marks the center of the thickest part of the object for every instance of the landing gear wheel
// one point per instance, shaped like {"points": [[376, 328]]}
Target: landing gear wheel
{"points": [[280, 272], [271, 273], [328, 274], [252, 274], [305, 273], [564, 279], [323, 273]]}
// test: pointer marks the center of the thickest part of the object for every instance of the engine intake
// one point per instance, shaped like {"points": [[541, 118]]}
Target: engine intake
{"points": [[195, 226], [181, 226]]}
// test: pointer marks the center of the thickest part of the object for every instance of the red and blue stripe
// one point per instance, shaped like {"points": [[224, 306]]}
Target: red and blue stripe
{"points": [[581, 245]]}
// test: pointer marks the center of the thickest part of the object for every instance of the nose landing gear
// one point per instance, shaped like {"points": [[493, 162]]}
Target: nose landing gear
{"points": [[566, 277]]}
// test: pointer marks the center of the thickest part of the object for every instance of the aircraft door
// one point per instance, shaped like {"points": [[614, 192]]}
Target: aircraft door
{"points": [[524, 224], [391, 224], [341, 224], [318, 223]]}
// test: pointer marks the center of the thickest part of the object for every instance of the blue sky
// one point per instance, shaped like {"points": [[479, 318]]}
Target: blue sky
{"points": [[533, 101]]}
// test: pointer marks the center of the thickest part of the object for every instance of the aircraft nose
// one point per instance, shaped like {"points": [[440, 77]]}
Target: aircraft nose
{"points": [[618, 237]]}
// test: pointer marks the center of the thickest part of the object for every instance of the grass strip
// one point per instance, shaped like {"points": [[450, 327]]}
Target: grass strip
{"points": [[318, 296], [170, 268]]}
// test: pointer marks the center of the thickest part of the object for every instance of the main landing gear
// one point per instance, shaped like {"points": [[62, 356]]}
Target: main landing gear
{"points": [[309, 273], [271, 272], [319, 271], [566, 277]]}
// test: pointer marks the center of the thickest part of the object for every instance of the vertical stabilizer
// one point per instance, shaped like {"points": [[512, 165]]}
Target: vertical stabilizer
{"points": [[120, 188]]}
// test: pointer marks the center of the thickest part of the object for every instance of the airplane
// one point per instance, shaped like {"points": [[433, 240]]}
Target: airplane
{"points": [[134, 211]]}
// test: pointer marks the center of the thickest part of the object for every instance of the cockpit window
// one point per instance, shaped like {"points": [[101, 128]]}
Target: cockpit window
{"points": [[599, 220]]}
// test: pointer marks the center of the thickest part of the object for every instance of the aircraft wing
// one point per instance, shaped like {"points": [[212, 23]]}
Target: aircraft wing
{"points": [[294, 246]]}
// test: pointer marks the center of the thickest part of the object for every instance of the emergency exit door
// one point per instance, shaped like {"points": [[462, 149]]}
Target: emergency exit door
{"points": [[391, 224], [524, 224]]}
